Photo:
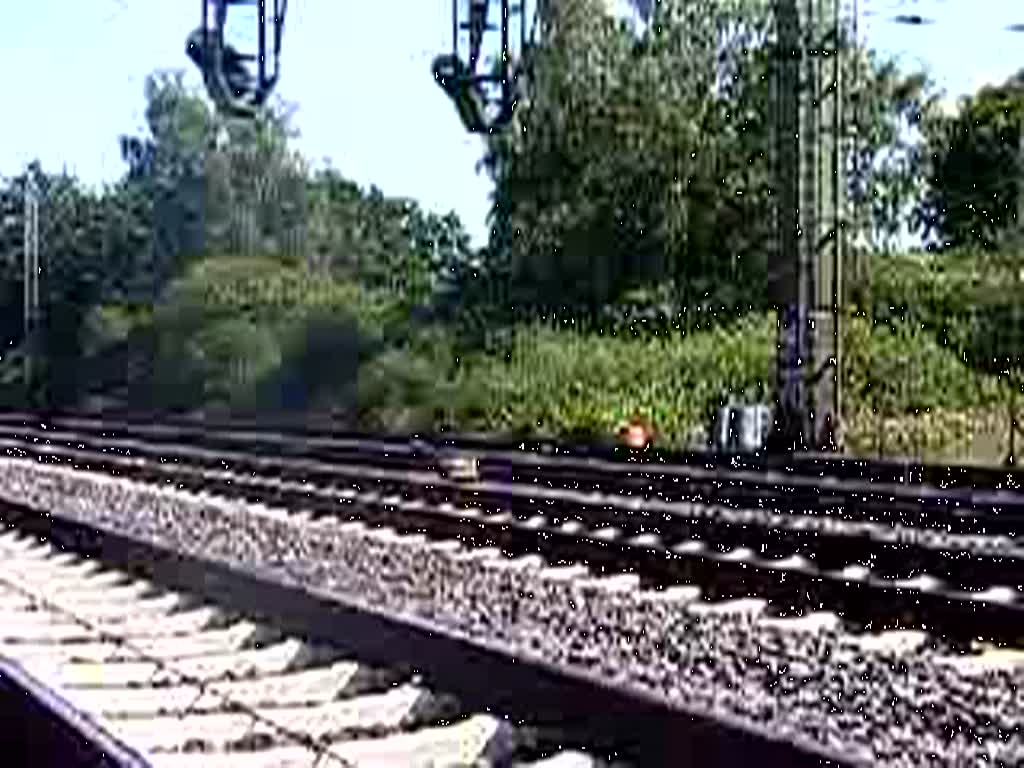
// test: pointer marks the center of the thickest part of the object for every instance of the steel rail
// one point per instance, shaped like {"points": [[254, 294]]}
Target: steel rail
{"points": [[271, 429], [991, 511]]}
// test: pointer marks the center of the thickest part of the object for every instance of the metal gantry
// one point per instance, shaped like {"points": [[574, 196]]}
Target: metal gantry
{"points": [[239, 82], [468, 82]]}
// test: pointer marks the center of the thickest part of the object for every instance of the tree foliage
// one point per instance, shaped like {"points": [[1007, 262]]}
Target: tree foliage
{"points": [[975, 166], [642, 155]]}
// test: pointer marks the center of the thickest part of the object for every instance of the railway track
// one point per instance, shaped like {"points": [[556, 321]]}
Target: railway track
{"points": [[944, 706], [270, 433], [551, 457], [873, 575], [803, 487], [182, 682]]}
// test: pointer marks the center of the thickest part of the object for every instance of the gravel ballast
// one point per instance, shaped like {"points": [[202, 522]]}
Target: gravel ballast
{"points": [[801, 681]]}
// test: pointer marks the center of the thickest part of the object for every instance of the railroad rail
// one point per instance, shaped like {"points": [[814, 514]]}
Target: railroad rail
{"points": [[805, 483], [270, 430], [624, 578]]}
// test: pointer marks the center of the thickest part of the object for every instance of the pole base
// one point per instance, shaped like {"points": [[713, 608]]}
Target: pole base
{"points": [[787, 434], [830, 438]]}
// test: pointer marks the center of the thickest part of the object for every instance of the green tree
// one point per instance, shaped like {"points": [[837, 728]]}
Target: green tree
{"points": [[212, 183], [75, 240], [975, 163], [256, 188], [642, 156], [386, 243], [167, 166]]}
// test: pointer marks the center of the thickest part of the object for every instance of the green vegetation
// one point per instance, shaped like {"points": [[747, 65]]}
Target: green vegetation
{"points": [[559, 383], [625, 276]]}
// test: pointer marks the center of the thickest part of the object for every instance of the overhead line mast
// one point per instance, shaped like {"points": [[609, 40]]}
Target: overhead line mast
{"points": [[806, 265]]}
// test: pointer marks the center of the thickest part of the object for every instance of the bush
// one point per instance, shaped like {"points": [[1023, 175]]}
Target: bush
{"points": [[110, 324], [408, 389], [231, 357], [566, 383], [252, 333], [964, 298], [257, 333], [899, 367]]}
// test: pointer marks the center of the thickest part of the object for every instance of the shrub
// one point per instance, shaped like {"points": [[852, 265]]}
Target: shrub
{"points": [[255, 332], [566, 383]]}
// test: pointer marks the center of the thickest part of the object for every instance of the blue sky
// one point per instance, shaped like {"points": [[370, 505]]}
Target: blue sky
{"points": [[360, 75]]}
